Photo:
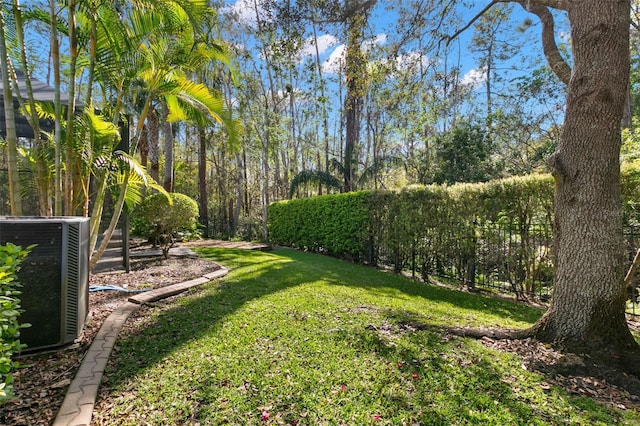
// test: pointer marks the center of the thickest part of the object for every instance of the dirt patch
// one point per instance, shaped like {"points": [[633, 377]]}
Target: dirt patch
{"points": [[577, 375]]}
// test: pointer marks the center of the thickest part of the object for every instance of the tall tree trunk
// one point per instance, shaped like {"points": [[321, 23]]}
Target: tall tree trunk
{"points": [[143, 146], [355, 87], [70, 157], [203, 200], [587, 310], [245, 188], [168, 149], [265, 183], [153, 126], [325, 119], [55, 56], [43, 176], [239, 195], [10, 123]]}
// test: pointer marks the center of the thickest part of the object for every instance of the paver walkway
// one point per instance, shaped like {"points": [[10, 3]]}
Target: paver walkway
{"points": [[77, 407]]}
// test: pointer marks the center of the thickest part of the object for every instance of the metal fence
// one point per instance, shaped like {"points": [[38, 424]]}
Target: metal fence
{"points": [[503, 257], [632, 241]]}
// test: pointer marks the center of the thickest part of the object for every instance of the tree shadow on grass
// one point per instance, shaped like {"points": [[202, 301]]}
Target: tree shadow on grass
{"points": [[257, 274], [466, 382]]}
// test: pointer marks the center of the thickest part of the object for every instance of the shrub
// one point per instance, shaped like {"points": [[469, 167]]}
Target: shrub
{"points": [[161, 219], [10, 258]]}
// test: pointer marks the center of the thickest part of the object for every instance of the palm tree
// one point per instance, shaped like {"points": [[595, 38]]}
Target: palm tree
{"points": [[329, 181], [123, 47], [160, 65], [11, 138]]}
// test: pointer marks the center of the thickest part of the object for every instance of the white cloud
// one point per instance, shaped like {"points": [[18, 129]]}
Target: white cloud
{"points": [[335, 61], [324, 43], [474, 78], [244, 11]]}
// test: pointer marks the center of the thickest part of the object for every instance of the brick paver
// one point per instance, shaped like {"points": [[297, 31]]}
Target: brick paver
{"points": [[77, 407]]}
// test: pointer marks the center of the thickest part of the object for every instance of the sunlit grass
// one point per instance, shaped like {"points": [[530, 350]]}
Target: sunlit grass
{"points": [[296, 338]]}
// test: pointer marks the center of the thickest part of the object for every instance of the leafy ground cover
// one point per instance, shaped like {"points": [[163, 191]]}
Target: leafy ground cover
{"points": [[296, 338]]}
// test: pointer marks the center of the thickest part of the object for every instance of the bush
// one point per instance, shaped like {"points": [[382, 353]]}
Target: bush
{"points": [[161, 219], [10, 258], [433, 230]]}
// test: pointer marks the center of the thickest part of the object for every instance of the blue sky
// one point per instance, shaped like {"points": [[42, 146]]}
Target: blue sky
{"points": [[382, 19]]}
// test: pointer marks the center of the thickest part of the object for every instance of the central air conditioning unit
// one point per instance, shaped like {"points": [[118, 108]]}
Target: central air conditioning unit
{"points": [[54, 277]]}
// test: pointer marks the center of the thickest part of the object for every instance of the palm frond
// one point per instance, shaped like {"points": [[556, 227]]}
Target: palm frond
{"points": [[317, 177], [137, 178], [337, 166], [378, 166]]}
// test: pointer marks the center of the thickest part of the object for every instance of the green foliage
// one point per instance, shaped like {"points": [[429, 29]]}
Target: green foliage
{"points": [[160, 218], [10, 258], [630, 150], [503, 227], [335, 223], [630, 182], [463, 155], [371, 222]]}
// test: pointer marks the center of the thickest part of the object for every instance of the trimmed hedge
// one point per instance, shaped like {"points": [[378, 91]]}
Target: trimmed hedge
{"points": [[348, 224], [336, 224], [443, 230], [499, 230]]}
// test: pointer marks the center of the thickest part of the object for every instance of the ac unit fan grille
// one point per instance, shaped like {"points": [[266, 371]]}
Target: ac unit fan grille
{"points": [[73, 278]]}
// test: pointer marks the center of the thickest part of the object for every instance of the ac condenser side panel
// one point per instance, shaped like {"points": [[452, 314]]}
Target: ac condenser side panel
{"points": [[75, 279]]}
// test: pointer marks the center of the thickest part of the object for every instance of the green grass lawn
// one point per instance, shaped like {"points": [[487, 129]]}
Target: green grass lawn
{"points": [[296, 338]]}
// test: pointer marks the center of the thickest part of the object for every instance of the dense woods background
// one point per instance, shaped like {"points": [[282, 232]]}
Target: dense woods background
{"points": [[328, 96]]}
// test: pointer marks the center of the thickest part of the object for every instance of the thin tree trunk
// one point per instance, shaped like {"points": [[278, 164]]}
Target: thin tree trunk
{"points": [[154, 144], [117, 211], [55, 56], [10, 122], [143, 146], [325, 119], [98, 207], [70, 163], [202, 180], [168, 149], [239, 194], [245, 188], [42, 170]]}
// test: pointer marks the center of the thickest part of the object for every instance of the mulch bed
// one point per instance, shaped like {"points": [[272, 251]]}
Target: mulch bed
{"points": [[40, 385]]}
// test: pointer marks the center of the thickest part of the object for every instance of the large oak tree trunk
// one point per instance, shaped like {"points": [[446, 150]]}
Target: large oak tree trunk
{"points": [[587, 310]]}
